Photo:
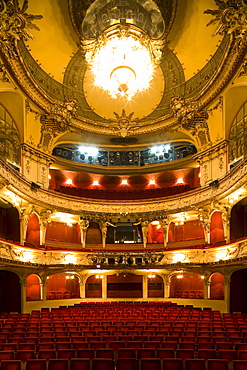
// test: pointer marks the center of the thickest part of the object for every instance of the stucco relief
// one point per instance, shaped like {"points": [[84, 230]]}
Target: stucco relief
{"points": [[234, 180], [33, 257]]}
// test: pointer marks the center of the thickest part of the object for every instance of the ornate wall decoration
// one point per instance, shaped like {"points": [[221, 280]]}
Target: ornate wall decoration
{"points": [[231, 18], [191, 119], [15, 24], [124, 126]]}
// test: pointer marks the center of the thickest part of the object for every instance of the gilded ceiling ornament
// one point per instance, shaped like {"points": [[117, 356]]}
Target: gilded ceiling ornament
{"points": [[191, 119], [15, 25], [65, 111], [231, 17], [123, 126]]}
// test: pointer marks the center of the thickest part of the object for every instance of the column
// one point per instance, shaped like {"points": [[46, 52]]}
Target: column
{"points": [[104, 287], [166, 282], [165, 226], [82, 289], [145, 287], [43, 288], [226, 224], [23, 227], [23, 283], [44, 218], [206, 288], [84, 224], [227, 282]]}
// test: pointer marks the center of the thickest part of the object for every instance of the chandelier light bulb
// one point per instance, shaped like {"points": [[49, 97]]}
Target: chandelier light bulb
{"points": [[122, 66]]}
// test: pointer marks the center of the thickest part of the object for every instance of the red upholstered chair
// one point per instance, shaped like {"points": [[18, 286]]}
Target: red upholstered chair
{"points": [[229, 354], [205, 345], [169, 344], [104, 353], [9, 347], [173, 364], [145, 353], [239, 365], [195, 364], [85, 353], [126, 353], [127, 363], [7, 355], [102, 364], [63, 345], [135, 344], [36, 364], [80, 364], [217, 364], [207, 353], [11, 365], [150, 364], [242, 355], [24, 355], [97, 344], [165, 353], [115, 345], [58, 364], [47, 354], [187, 345], [66, 353], [185, 353], [80, 345]]}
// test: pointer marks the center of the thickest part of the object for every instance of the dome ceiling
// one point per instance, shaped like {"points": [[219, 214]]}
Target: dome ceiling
{"points": [[185, 70]]}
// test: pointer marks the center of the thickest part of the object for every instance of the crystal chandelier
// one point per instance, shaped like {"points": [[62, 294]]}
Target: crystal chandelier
{"points": [[122, 61]]}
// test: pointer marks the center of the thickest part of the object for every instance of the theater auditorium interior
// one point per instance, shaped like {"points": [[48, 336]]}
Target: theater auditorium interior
{"points": [[123, 184]]}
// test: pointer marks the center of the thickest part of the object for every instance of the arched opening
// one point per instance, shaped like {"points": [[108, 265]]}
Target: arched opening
{"points": [[155, 286], [155, 233], [9, 138], [61, 232], [238, 224], [10, 292], [62, 286], [186, 285], [216, 228], [217, 286], [188, 230], [9, 223], [238, 291], [93, 287], [33, 292], [33, 231], [93, 234], [124, 285]]}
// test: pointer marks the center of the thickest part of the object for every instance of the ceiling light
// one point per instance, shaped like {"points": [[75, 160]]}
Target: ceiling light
{"points": [[89, 150], [180, 276], [69, 182], [122, 60]]}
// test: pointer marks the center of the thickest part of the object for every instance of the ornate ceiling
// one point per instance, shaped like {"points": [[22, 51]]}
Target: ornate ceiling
{"points": [[53, 71]]}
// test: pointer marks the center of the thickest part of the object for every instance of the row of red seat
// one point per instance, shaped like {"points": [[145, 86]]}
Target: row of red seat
{"points": [[138, 353], [124, 364]]}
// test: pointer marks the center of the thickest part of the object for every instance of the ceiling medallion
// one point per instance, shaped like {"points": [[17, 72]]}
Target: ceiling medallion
{"points": [[122, 60]]}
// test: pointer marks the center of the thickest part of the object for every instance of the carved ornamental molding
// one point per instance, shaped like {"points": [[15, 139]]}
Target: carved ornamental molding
{"points": [[200, 197], [34, 258]]}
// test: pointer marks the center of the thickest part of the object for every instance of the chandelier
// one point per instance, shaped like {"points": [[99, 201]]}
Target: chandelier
{"points": [[123, 61]]}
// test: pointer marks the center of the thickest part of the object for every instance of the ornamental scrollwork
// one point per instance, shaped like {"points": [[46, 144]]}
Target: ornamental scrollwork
{"points": [[123, 125], [190, 118], [15, 24], [231, 17]]}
